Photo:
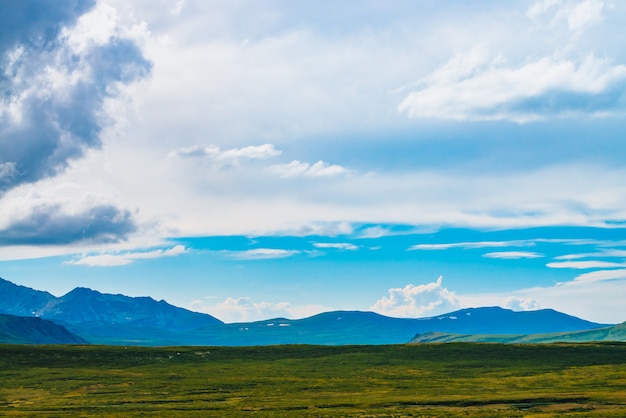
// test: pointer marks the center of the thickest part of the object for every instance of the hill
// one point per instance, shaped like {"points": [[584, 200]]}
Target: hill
{"points": [[25, 330], [609, 333], [356, 327]]}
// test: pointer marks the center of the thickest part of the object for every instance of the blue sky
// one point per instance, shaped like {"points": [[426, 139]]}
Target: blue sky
{"points": [[254, 159]]}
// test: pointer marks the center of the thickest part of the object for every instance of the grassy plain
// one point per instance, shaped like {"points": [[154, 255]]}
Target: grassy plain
{"points": [[434, 380]]}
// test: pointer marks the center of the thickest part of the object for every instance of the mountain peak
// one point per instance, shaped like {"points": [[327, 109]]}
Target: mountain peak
{"points": [[81, 292]]}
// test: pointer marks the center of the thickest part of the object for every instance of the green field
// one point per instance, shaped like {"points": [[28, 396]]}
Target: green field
{"points": [[435, 380]]}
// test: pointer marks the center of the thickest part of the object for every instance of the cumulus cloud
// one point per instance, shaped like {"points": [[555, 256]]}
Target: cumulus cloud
{"points": [[261, 254], [110, 260], [513, 255], [521, 304], [476, 85], [244, 309], [583, 265], [417, 301], [319, 169], [336, 245], [49, 225]]}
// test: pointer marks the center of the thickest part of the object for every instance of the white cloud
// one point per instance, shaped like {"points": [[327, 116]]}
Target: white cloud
{"points": [[521, 304], [253, 152], [477, 86], [244, 309], [261, 254], [578, 15], [417, 301], [336, 245], [585, 14], [513, 255], [178, 7], [7, 171], [540, 7], [94, 28], [110, 260], [319, 169], [102, 260], [472, 245], [603, 253], [591, 264], [601, 275]]}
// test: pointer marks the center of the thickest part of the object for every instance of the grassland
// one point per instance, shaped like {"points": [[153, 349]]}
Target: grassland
{"points": [[435, 380]]}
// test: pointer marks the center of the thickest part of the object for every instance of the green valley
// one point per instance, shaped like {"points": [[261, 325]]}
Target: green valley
{"points": [[468, 379]]}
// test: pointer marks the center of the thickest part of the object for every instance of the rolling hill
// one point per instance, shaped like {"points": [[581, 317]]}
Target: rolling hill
{"points": [[29, 330], [609, 333]]}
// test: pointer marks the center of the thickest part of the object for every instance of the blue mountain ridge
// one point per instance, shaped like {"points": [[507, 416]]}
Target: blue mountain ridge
{"points": [[122, 320], [29, 330]]}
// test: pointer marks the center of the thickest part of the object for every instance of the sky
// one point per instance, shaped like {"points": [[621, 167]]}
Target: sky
{"points": [[261, 159]]}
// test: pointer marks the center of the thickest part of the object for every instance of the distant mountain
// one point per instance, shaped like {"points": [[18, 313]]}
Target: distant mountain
{"points": [[610, 333], [84, 306], [85, 311], [29, 330], [21, 300], [355, 327], [496, 320], [118, 319]]}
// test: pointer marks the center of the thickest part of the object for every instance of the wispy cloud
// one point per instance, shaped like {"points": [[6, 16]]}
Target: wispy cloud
{"points": [[472, 245], [252, 152], [478, 86], [417, 301], [577, 15], [601, 275], [513, 255], [261, 254], [336, 245], [319, 169], [584, 265], [604, 253], [560, 84], [122, 259]]}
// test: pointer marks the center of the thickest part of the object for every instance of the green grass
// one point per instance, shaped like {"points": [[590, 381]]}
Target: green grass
{"points": [[437, 380]]}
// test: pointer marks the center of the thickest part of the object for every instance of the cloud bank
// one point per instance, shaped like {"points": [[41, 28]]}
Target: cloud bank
{"points": [[50, 225], [476, 86]]}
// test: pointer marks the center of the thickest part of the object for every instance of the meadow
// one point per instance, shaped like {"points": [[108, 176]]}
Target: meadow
{"points": [[424, 380]]}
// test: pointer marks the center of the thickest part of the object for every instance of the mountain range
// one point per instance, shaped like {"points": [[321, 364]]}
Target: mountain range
{"points": [[122, 320]]}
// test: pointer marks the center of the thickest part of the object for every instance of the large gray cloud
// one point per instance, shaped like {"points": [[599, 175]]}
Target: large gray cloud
{"points": [[37, 23], [43, 125], [52, 97], [48, 225]]}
